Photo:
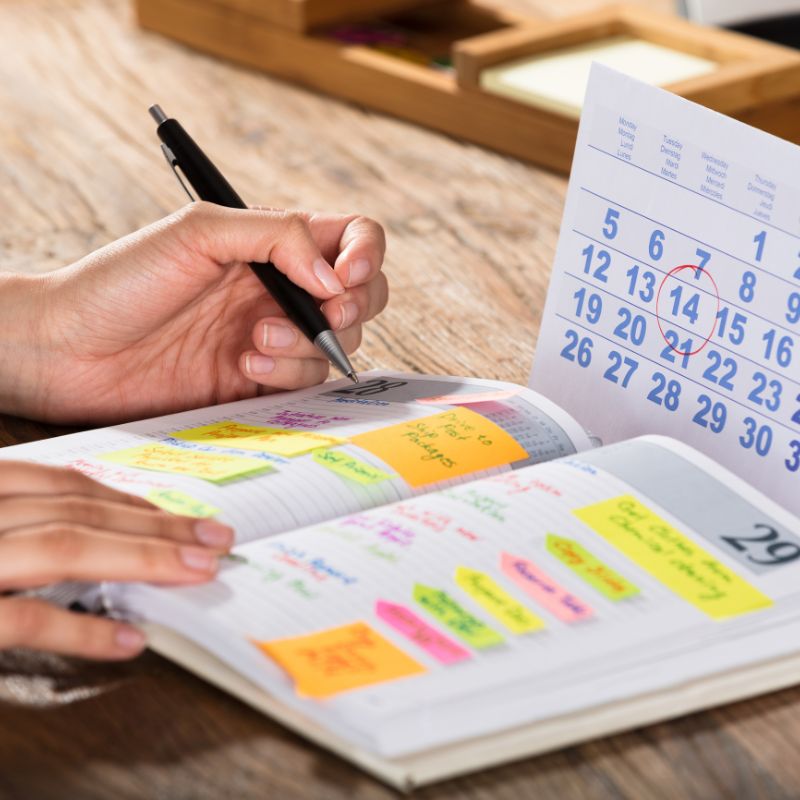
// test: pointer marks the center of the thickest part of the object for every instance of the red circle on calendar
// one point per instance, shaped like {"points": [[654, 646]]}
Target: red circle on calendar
{"points": [[698, 272]]}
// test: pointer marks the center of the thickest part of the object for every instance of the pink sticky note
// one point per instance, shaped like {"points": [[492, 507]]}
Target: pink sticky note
{"points": [[468, 399], [406, 622], [542, 588]]}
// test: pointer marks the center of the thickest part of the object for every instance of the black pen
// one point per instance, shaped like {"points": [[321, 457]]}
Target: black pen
{"points": [[182, 153]]}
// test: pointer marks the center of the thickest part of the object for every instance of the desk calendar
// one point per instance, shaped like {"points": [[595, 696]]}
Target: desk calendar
{"points": [[674, 306]]}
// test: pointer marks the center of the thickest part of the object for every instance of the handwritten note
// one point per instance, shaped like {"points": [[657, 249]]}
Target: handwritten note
{"points": [[214, 467], [544, 590], [590, 569], [349, 467], [177, 502], [452, 615], [672, 558], [416, 630], [277, 441], [497, 601], [442, 446], [336, 660]]}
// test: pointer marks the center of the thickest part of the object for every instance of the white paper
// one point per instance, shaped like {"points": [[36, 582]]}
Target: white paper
{"points": [[659, 183]]}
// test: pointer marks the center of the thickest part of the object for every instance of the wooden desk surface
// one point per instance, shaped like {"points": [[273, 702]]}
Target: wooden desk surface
{"points": [[471, 237]]}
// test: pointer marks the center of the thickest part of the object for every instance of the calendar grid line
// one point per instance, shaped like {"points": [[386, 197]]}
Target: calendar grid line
{"points": [[725, 253], [676, 374], [693, 191], [722, 347], [748, 311]]}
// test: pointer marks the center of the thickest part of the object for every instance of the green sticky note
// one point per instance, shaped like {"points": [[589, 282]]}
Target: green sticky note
{"points": [[590, 569], [449, 613], [177, 502], [497, 601], [349, 467]]}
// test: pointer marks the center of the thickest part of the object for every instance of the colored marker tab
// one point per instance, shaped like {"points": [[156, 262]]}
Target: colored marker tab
{"points": [[177, 502], [535, 582], [467, 399], [672, 558], [328, 662], [497, 601], [590, 569], [449, 613], [214, 467], [276, 441], [445, 445], [416, 630], [349, 467]]}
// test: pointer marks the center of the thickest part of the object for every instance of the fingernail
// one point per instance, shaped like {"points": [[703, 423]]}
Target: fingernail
{"points": [[258, 364], [279, 336], [213, 534], [200, 560], [358, 272], [128, 638], [349, 312], [327, 277]]}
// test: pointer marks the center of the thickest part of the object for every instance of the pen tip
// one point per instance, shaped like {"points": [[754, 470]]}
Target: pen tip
{"points": [[353, 377]]}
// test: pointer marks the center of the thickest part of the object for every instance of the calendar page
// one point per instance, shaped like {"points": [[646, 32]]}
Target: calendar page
{"points": [[674, 304]]}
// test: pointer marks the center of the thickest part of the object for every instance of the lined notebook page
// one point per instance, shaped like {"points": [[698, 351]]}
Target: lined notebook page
{"points": [[300, 490]]}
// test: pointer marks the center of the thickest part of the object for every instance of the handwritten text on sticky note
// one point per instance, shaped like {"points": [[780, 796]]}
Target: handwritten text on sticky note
{"points": [[497, 601], [277, 441], [442, 446], [407, 623], [215, 467], [336, 660], [590, 569], [349, 467], [672, 557], [177, 502]]}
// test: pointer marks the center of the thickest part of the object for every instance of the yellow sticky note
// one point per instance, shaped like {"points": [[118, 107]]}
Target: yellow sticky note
{"points": [[442, 446], [349, 467], [497, 601], [277, 441], [215, 467], [672, 558], [336, 660], [177, 502]]}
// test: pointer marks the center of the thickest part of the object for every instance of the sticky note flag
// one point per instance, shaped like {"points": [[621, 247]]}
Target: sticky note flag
{"points": [[442, 446], [214, 467], [177, 502], [672, 557], [535, 582], [449, 613], [467, 399], [590, 569], [349, 467], [497, 601], [276, 441], [337, 660], [416, 630]]}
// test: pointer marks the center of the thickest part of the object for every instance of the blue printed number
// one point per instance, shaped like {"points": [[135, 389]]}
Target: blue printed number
{"points": [[618, 361], [793, 306], [774, 388], [720, 371], [611, 228], [578, 349], [758, 437], [632, 326], [733, 324], [688, 308], [778, 348], [704, 257], [747, 291], [602, 263], [718, 411], [669, 353], [759, 239], [796, 415], [793, 462], [665, 392], [590, 307], [644, 281], [656, 247]]}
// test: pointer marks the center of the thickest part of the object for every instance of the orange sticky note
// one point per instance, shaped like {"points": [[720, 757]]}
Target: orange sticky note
{"points": [[442, 446], [336, 660]]}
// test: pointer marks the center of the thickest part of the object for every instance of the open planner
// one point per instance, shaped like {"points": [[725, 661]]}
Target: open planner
{"points": [[436, 574]]}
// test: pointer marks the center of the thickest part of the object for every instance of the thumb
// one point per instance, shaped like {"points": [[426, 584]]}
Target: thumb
{"points": [[224, 235]]}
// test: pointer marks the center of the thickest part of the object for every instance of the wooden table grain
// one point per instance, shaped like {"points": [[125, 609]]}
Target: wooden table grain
{"points": [[471, 238]]}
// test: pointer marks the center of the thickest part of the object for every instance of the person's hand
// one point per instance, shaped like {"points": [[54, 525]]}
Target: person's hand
{"points": [[56, 524], [171, 317]]}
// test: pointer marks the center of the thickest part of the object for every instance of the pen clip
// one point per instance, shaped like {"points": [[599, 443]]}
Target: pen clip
{"points": [[173, 165]]}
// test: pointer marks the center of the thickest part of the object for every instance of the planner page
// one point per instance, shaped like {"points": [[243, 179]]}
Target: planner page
{"points": [[674, 303], [523, 596], [287, 460]]}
